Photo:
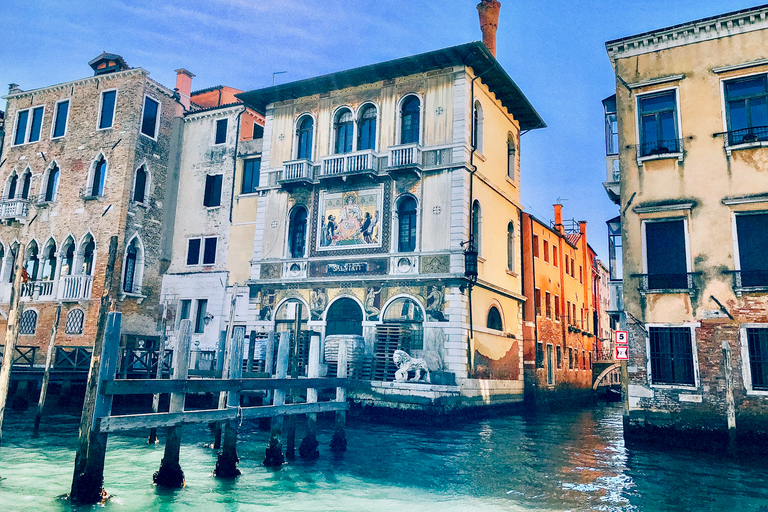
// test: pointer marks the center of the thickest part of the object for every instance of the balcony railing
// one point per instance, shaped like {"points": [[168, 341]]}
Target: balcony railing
{"points": [[667, 283], [349, 163], [746, 135], [75, 287], [297, 170], [405, 155], [23, 356], [659, 147], [14, 209], [749, 279]]}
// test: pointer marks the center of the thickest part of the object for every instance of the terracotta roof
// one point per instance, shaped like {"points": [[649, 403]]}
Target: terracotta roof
{"points": [[573, 238]]}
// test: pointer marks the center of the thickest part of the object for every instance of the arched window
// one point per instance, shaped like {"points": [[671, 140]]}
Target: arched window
{"points": [[286, 314], [344, 317], [10, 263], [140, 185], [32, 261], [68, 257], [28, 322], [477, 127], [366, 128], [511, 151], [75, 320], [98, 177], [129, 273], [494, 319], [304, 132], [49, 261], [51, 184], [477, 227], [406, 216], [297, 233], [408, 314], [87, 250], [26, 181], [511, 247], [409, 120], [343, 128], [12, 186]]}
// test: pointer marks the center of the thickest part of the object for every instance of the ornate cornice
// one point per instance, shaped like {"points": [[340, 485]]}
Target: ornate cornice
{"points": [[724, 25]]}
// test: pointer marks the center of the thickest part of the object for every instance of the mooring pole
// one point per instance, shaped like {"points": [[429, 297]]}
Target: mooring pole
{"points": [[226, 465], [339, 440], [290, 420], [730, 404], [170, 474], [226, 368], [11, 333], [274, 454], [308, 447], [88, 480], [251, 350], [47, 374], [86, 485], [159, 371]]}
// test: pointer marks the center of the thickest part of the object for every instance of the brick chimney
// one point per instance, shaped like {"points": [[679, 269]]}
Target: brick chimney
{"points": [[489, 22], [583, 227], [13, 88], [559, 219], [184, 86]]}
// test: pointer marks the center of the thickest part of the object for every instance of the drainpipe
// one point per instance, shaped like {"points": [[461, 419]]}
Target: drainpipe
{"points": [[234, 165]]}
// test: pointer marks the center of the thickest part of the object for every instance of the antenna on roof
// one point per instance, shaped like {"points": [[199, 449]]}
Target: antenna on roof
{"points": [[276, 73]]}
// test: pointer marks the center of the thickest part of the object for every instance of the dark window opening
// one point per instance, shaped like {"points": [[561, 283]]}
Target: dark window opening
{"points": [[25, 184], [410, 112], [212, 195], [666, 256], [671, 355], [193, 251], [107, 109], [185, 307], [221, 131], [304, 138], [37, 124], [752, 234], [28, 322], [60, 125], [202, 310], [139, 189], [366, 133], [130, 267], [297, 233], [757, 341], [258, 131], [344, 317], [344, 128], [658, 124], [99, 175], [747, 109], [406, 215], [511, 151], [494, 319], [209, 251], [88, 250], [21, 127], [251, 170], [52, 184], [149, 120], [75, 320]]}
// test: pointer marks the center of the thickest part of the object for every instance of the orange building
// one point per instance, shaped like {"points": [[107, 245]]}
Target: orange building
{"points": [[559, 315], [251, 122]]}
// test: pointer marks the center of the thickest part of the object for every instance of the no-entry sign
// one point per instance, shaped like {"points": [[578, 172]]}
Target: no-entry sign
{"points": [[622, 337], [622, 353]]}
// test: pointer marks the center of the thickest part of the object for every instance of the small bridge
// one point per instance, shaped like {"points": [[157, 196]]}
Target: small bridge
{"points": [[601, 370]]}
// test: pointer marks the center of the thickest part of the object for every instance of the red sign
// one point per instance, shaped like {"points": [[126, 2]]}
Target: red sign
{"points": [[622, 353], [622, 337]]}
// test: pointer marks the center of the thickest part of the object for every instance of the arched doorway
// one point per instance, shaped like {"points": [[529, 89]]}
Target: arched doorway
{"points": [[344, 317], [401, 329]]}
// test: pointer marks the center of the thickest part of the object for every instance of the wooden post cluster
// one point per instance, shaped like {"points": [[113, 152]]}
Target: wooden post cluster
{"points": [[47, 375], [170, 473], [226, 465], [339, 440], [11, 334], [274, 454], [308, 448]]}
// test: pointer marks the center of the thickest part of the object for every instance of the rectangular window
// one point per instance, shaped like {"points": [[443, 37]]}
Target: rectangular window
{"points": [[258, 131], [28, 130], [251, 170], [570, 358], [202, 307], [752, 236], [60, 119], [568, 310], [209, 251], [546, 251], [150, 117], [671, 355], [185, 308], [573, 267], [557, 307], [535, 243], [757, 342], [746, 104], [559, 351], [107, 114], [212, 196], [193, 251], [554, 255], [37, 124], [548, 304], [21, 127], [537, 301], [550, 366], [667, 266], [221, 131], [581, 274], [658, 124]]}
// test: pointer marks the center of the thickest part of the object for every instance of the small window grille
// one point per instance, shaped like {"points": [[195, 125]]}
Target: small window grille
{"points": [[28, 322], [75, 320]]}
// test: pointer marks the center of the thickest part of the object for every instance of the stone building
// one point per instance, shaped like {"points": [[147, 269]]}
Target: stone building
{"points": [[692, 124], [560, 315], [85, 161], [373, 184]]}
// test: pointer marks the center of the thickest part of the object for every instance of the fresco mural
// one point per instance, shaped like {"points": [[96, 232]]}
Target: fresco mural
{"points": [[350, 219]]}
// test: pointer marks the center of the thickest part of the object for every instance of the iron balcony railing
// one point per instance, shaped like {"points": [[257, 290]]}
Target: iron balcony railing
{"points": [[659, 147], [666, 283], [746, 135], [749, 278], [14, 209]]}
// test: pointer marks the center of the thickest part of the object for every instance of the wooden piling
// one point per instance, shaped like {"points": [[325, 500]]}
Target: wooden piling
{"points": [[226, 368], [308, 448], [47, 375], [339, 440], [11, 333], [274, 454], [88, 479], [251, 350], [226, 465], [159, 371], [170, 474]]}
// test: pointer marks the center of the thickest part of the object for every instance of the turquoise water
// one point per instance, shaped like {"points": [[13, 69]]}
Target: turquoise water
{"points": [[567, 461]]}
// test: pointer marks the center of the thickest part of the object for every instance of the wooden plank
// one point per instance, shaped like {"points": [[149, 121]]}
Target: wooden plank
{"points": [[150, 386]]}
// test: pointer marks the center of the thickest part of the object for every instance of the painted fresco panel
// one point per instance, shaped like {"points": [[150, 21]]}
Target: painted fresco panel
{"points": [[350, 219]]}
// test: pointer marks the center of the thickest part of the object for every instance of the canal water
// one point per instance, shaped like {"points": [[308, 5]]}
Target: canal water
{"points": [[564, 461]]}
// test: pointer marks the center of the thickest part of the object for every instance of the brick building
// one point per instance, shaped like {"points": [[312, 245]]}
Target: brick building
{"points": [[85, 161], [560, 317]]}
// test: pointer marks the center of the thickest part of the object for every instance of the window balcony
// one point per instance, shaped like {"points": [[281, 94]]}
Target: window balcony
{"points": [[745, 138], [74, 288], [348, 164], [37, 290], [17, 209], [296, 172], [667, 283], [404, 159], [660, 149], [746, 281]]}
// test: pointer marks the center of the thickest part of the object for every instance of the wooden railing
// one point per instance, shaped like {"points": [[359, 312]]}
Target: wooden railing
{"points": [[24, 356]]}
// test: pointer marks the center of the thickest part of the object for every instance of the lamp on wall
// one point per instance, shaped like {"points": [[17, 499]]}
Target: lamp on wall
{"points": [[470, 260], [207, 318]]}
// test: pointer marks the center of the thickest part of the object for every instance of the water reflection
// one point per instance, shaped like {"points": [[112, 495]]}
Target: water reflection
{"points": [[574, 461]]}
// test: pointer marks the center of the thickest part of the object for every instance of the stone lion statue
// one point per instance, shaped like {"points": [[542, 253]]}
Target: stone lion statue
{"points": [[406, 363]]}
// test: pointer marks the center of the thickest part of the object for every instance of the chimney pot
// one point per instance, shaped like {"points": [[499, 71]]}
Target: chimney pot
{"points": [[13, 88], [559, 218], [488, 11], [184, 86]]}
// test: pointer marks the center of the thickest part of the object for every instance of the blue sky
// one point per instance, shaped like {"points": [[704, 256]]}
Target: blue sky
{"points": [[553, 49]]}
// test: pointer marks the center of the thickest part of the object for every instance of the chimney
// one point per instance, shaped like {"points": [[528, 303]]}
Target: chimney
{"points": [[583, 227], [559, 219], [489, 22], [184, 86], [13, 88]]}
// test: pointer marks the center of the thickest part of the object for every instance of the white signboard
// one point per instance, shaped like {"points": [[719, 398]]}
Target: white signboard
{"points": [[622, 337], [622, 353]]}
